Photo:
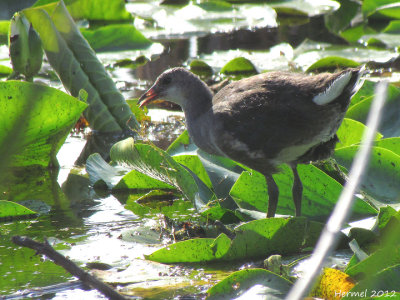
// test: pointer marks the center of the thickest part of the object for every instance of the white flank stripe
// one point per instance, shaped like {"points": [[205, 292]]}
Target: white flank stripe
{"points": [[334, 90]]}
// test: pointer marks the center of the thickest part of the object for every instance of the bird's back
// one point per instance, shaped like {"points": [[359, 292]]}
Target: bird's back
{"points": [[276, 117]]}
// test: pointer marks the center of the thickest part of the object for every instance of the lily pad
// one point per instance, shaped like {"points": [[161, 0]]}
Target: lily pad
{"points": [[93, 10], [390, 123], [383, 175], [250, 284], [351, 133], [332, 63], [51, 116], [12, 209], [116, 37], [239, 67], [256, 239], [320, 192]]}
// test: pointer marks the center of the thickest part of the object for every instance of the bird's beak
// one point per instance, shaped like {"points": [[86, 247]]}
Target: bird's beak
{"points": [[148, 97]]}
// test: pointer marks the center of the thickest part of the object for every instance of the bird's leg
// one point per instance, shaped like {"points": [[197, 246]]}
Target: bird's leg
{"points": [[273, 194], [297, 191]]}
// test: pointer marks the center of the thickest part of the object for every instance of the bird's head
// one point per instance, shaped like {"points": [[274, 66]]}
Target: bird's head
{"points": [[175, 85]]}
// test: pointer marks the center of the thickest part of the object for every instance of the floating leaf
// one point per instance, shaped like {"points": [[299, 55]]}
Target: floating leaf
{"points": [[194, 250], [239, 66], [201, 68], [351, 133], [392, 144], [116, 37], [256, 239], [49, 122], [157, 164], [383, 176], [250, 283], [384, 283], [94, 9], [12, 209], [340, 19], [320, 192], [332, 63], [390, 123]]}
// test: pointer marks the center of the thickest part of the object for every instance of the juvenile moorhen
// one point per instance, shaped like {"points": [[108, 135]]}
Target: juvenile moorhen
{"points": [[264, 120]]}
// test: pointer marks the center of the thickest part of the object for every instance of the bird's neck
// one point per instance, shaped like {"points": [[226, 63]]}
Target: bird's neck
{"points": [[198, 102], [198, 114]]}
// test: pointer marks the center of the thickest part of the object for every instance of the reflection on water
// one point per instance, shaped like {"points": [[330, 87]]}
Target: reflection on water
{"points": [[81, 226]]}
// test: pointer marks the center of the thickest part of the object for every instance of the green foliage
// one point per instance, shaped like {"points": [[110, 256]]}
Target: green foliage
{"points": [[249, 282], [12, 209], [78, 68], [256, 239], [4, 28], [96, 10], [26, 51], [239, 67], [115, 37], [46, 126]]}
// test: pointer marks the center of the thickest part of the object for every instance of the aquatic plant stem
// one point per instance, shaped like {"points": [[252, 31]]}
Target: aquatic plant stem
{"points": [[59, 259]]}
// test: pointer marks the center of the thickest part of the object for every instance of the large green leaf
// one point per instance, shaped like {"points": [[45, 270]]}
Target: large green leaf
{"points": [[392, 144], [116, 37], [250, 284], [157, 164], [332, 63], [12, 209], [78, 68], [351, 133], [320, 192], [108, 10], [383, 176], [50, 119], [390, 124], [340, 19], [383, 284], [256, 239]]}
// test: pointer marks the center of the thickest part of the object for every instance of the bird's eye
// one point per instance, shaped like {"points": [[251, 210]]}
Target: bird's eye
{"points": [[166, 80]]}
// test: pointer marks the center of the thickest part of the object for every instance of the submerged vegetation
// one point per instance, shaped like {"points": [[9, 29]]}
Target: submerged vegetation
{"points": [[135, 205]]}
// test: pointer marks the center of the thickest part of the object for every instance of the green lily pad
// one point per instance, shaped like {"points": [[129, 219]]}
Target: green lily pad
{"points": [[340, 19], [109, 10], [255, 239], [393, 27], [332, 63], [390, 122], [239, 66], [116, 37], [392, 144], [389, 40], [383, 175], [351, 133], [201, 68], [320, 192], [12, 209], [51, 116], [157, 164], [248, 283]]}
